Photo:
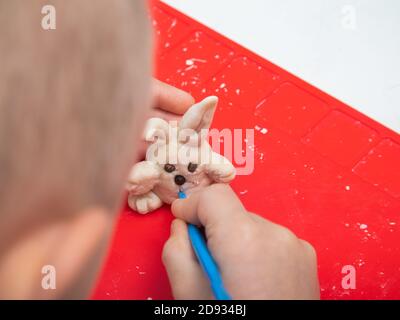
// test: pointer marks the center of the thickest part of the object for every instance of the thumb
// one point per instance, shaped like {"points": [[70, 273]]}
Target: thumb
{"points": [[186, 277]]}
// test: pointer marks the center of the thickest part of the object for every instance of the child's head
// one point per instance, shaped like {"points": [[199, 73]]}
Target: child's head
{"points": [[72, 101]]}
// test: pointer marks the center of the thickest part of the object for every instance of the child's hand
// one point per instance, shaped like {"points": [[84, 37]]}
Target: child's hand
{"points": [[257, 258]]}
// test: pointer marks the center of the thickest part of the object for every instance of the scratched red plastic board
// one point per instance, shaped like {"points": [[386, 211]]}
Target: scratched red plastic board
{"points": [[322, 169]]}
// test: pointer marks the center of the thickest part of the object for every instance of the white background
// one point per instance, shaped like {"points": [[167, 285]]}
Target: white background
{"points": [[349, 49]]}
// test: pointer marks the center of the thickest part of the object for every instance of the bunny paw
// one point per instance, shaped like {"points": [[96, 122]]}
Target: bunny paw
{"points": [[144, 203], [143, 177]]}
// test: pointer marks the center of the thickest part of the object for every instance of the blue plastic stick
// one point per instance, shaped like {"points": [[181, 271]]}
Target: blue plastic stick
{"points": [[206, 260]]}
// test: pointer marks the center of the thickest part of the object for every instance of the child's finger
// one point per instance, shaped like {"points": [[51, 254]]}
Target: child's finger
{"points": [[166, 115], [171, 99], [212, 205], [186, 277]]}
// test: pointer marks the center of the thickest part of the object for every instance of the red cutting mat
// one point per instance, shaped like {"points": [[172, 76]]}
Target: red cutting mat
{"points": [[322, 169]]}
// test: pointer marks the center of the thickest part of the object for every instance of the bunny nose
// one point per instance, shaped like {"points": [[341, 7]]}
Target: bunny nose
{"points": [[180, 180]]}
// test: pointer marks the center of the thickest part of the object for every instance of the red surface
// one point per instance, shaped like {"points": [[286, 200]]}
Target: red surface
{"points": [[322, 169]]}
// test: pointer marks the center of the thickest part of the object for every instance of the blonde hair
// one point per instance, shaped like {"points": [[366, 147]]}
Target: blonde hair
{"points": [[68, 98]]}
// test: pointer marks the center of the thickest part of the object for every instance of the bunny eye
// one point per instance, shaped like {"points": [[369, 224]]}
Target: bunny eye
{"points": [[192, 167], [169, 167]]}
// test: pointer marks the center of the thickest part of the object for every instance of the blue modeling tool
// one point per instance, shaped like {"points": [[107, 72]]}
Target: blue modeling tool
{"points": [[206, 260]]}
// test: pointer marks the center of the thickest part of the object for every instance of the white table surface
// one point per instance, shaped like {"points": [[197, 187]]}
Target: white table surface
{"points": [[348, 48]]}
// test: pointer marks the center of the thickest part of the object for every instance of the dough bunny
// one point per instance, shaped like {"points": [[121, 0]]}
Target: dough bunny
{"points": [[179, 158]]}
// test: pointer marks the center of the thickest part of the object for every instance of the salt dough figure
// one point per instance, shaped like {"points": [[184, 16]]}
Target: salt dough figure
{"points": [[180, 158]]}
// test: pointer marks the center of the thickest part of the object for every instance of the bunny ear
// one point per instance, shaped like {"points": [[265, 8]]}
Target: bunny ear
{"points": [[200, 115], [156, 128]]}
